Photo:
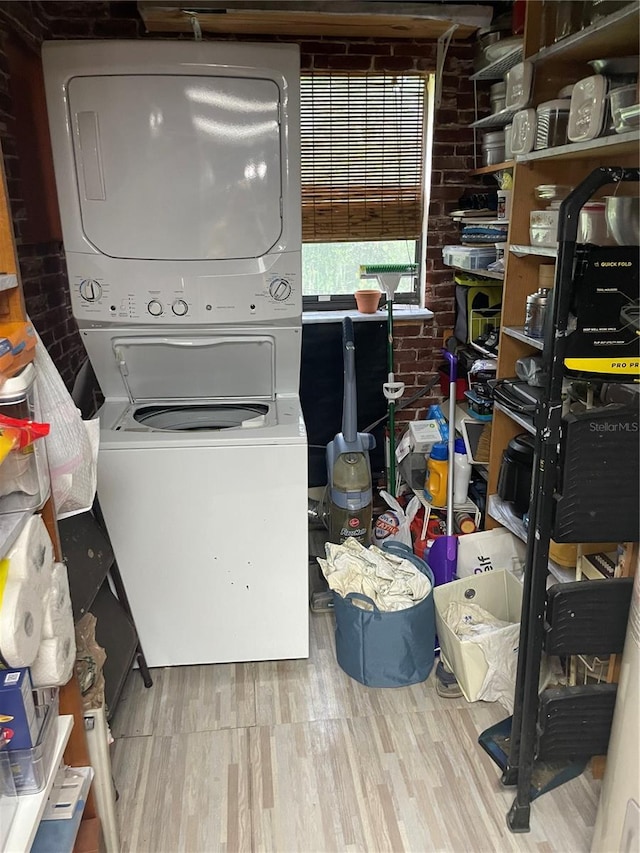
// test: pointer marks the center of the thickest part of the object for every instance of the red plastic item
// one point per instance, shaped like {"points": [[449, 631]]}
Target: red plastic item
{"points": [[461, 384], [517, 17], [23, 432]]}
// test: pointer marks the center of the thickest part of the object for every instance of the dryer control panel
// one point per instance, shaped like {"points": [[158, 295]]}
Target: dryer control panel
{"points": [[181, 298]]}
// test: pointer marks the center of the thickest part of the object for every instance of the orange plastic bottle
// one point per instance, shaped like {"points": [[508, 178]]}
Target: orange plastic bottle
{"points": [[435, 487]]}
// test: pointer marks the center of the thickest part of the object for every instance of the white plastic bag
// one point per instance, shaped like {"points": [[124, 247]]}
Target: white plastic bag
{"points": [[72, 444], [490, 550], [394, 525]]}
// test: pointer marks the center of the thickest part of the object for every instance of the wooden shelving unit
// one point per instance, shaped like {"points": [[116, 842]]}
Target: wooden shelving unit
{"points": [[71, 741], [566, 61], [491, 170]]}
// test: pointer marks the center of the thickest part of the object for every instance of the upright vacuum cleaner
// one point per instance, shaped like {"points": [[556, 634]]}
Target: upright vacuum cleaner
{"points": [[348, 466]]}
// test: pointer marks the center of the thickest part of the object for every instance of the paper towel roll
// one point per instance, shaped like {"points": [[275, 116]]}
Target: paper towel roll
{"points": [[20, 624], [31, 558], [54, 664], [57, 602]]}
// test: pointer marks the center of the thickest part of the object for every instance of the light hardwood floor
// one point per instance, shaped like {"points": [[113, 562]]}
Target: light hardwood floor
{"points": [[294, 757]]}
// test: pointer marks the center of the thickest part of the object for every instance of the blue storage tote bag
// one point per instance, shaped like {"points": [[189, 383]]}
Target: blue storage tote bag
{"points": [[386, 648]]}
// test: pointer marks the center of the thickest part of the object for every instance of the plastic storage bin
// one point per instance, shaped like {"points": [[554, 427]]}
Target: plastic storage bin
{"points": [[469, 257], [589, 109], [30, 767], [498, 592], [24, 478], [8, 795], [523, 132], [518, 82], [552, 118]]}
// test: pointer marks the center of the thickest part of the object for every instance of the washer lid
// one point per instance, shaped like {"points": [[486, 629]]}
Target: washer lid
{"points": [[178, 167], [184, 368]]}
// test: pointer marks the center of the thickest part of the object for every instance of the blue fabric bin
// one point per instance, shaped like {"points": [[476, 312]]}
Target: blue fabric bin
{"points": [[386, 648]]}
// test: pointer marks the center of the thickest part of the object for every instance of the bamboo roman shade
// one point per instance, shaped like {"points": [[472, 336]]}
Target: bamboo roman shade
{"points": [[362, 156]]}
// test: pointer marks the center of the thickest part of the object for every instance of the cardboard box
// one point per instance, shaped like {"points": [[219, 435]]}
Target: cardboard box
{"points": [[17, 709], [498, 592]]}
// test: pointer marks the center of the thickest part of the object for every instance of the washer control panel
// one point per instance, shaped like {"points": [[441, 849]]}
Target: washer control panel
{"points": [[196, 300]]}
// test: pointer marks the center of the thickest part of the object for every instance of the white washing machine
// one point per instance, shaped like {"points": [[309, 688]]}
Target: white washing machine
{"points": [[177, 167]]}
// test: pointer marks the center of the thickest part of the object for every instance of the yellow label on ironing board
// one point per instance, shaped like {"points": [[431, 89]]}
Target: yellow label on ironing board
{"points": [[617, 367]]}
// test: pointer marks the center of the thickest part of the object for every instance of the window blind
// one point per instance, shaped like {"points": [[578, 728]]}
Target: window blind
{"points": [[362, 156]]}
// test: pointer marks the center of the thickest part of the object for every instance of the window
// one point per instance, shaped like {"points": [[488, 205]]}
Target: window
{"points": [[362, 176]]}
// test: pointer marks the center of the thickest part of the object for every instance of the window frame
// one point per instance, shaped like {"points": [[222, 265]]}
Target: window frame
{"points": [[416, 295]]}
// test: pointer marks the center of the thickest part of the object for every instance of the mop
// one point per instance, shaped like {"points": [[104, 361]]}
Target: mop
{"points": [[388, 277]]}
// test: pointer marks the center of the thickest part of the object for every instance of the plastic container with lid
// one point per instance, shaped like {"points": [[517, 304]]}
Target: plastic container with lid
{"points": [[536, 308], [493, 148], [551, 192], [552, 118], [589, 109], [497, 96], [518, 83], [619, 99], [523, 132], [592, 225], [543, 226], [24, 476], [508, 131]]}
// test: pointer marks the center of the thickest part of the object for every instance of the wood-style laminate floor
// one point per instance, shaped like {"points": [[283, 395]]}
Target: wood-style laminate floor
{"points": [[294, 756]]}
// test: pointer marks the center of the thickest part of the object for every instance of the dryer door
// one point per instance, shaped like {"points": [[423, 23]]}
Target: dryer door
{"points": [[178, 167]]}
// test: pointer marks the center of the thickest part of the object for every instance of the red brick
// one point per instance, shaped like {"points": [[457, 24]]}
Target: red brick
{"points": [[327, 47], [369, 48], [350, 63], [393, 63]]}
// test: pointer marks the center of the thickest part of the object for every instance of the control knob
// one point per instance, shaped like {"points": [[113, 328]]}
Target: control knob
{"points": [[90, 290], [155, 308], [179, 307], [280, 289]]}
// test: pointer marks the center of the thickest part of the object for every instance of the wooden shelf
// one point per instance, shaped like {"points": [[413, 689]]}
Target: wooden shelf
{"points": [[517, 332], [522, 420], [489, 170], [501, 512], [615, 35], [540, 251], [621, 143], [31, 806]]}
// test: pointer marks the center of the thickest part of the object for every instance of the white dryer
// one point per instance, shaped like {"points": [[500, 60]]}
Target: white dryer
{"points": [[177, 166]]}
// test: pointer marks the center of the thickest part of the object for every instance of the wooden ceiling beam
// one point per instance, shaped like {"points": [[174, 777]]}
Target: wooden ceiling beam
{"points": [[363, 19]]}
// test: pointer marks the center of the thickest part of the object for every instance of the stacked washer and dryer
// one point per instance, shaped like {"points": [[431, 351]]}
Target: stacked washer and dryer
{"points": [[177, 168]]}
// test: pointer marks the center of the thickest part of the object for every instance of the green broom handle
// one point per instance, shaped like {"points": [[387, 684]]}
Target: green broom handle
{"points": [[391, 485]]}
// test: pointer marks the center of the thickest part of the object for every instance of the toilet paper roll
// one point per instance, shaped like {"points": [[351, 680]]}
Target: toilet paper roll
{"points": [[31, 558], [54, 664], [20, 624], [57, 602]]}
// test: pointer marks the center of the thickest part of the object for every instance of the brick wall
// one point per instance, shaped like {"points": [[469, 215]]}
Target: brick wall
{"points": [[42, 266], [418, 344]]}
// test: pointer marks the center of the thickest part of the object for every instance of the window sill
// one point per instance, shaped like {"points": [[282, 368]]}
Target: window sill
{"points": [[400, 313]]}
